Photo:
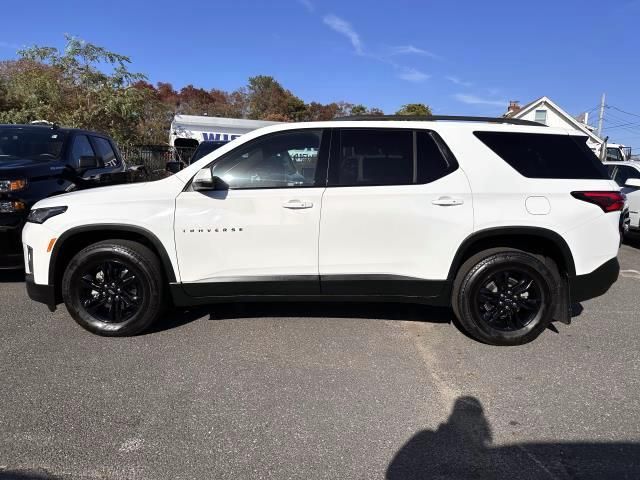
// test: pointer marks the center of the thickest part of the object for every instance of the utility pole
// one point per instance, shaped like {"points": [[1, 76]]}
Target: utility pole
{"points": [[601, 116]]}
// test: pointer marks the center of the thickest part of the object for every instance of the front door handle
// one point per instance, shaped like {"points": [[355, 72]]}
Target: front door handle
{"points": [[448, 201], [297, 204]]}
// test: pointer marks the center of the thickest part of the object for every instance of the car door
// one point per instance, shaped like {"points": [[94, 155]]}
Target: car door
{"points": [[259, 236], [396, 208], [623, 173]]}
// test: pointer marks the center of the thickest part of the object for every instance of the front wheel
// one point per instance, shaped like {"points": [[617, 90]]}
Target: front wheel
{"points": [[505, 296], [114, 288]]}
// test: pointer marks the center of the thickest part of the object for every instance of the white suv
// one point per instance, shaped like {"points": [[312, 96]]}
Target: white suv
{"points": [[507, 221], [627, 176]]}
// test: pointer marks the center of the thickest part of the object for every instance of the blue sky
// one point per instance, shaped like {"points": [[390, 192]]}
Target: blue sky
{"points": [[459, 57]]}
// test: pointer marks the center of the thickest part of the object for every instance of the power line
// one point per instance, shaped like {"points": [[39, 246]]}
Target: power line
{"points": [[631, 124], [623, 111]]}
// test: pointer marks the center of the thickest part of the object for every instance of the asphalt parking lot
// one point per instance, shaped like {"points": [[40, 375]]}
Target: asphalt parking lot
{"points": [[320, 391]]}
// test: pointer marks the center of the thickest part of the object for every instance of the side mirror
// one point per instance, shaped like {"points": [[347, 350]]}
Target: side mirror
{"points": [[89, 162], [205, 180], [632, 182], [174, 166]]}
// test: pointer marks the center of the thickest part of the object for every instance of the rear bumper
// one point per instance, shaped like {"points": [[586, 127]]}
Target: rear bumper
{"points": [[594, 284], [41, 293]]}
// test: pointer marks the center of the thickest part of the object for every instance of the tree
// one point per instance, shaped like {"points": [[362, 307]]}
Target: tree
{"points": [[416, 109], [71, 88], [266, 98]]}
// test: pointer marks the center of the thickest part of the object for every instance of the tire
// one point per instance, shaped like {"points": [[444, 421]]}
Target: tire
{"points": [[114, 288], [505, 296]]}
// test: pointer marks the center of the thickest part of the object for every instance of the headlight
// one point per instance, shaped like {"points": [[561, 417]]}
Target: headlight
{"points": [[11, 206], [12, 185], [41, 215]]}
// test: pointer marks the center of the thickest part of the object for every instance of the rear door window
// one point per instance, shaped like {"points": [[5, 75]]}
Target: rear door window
{"points": [[540, 155], [370, 157]]}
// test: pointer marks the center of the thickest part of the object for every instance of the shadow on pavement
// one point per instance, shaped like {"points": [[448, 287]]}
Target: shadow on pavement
{"points": [[373, 311], [461, 449], [11, 276], [25, 475], [633, 241]]}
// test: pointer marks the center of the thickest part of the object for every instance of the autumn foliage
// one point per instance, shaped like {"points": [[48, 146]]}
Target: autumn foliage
{"points": [[87, 86]]}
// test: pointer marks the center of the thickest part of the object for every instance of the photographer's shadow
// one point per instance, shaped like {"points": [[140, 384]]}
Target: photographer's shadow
{"points": [[461, 449]]}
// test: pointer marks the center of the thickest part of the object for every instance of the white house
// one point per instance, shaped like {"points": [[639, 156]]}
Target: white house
{"points": [[546, 111]]}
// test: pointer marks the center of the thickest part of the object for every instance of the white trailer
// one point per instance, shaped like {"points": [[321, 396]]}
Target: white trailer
{"points": [[187, 131]]}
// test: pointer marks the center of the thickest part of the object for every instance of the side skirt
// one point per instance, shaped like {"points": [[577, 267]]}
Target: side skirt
{"points": [[302, 288]]}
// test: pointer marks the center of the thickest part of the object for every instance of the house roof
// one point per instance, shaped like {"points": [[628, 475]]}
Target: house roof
{"points": [[550, 103]]}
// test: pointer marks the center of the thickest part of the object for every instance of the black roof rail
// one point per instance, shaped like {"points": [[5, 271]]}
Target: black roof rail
{"points": [[437, 118]]}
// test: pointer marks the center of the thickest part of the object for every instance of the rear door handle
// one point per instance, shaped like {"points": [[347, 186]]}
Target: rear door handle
{"points": [[448, 201], [297, 204]]}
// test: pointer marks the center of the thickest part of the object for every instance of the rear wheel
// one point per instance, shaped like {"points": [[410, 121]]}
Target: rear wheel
{"points": [[114, 288], [505, 296]]}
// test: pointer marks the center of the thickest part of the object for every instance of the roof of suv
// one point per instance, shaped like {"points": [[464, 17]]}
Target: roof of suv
{"points": [[51, 128]]}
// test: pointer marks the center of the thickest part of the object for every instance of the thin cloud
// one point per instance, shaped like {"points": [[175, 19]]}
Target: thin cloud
{"points": [[411, 50], [475, 100], [344, 28], [308, 5], [413, 75], [458, 81]]}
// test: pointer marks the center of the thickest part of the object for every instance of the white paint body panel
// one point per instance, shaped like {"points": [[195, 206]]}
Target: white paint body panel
{"points": [[147, 205], [273, 240], [395, 229]]}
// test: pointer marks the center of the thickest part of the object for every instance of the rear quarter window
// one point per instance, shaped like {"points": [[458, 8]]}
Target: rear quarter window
{"points": [[540, 155]]}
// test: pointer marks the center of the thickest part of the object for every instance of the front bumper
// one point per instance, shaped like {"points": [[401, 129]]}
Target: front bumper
{"points": [[594, 284], [11, 255], [41, 293]]}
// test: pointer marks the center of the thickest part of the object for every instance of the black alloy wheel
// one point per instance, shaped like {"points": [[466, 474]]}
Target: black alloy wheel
{"points": [[111, 291], [508, 300]]}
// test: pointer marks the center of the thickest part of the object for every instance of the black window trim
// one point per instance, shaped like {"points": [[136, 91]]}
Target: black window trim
{"points": [[444, 149], [322, 164]]}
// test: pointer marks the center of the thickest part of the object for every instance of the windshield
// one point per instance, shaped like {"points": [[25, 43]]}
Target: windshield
{"points": [[30, 143]]}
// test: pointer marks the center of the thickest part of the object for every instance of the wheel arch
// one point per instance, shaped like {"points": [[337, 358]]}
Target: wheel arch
{"points": [[75, 239], [532, 239]]}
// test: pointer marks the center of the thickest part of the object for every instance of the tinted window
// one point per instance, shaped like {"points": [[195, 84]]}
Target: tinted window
{"points": [[611, 170], [614, 155], [106, 151], [538, 155], [375, 157], [277, 161], [205, 148], [434, 158], [35, 144], [369, 157], [80, 148], [624, 173]]}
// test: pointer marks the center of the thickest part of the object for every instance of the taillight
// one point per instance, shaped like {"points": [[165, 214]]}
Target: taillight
{"points": [[607, 201]]}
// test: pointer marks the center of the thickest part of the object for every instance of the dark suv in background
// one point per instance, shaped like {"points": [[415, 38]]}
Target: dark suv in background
{"points": [[39, 161]]}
